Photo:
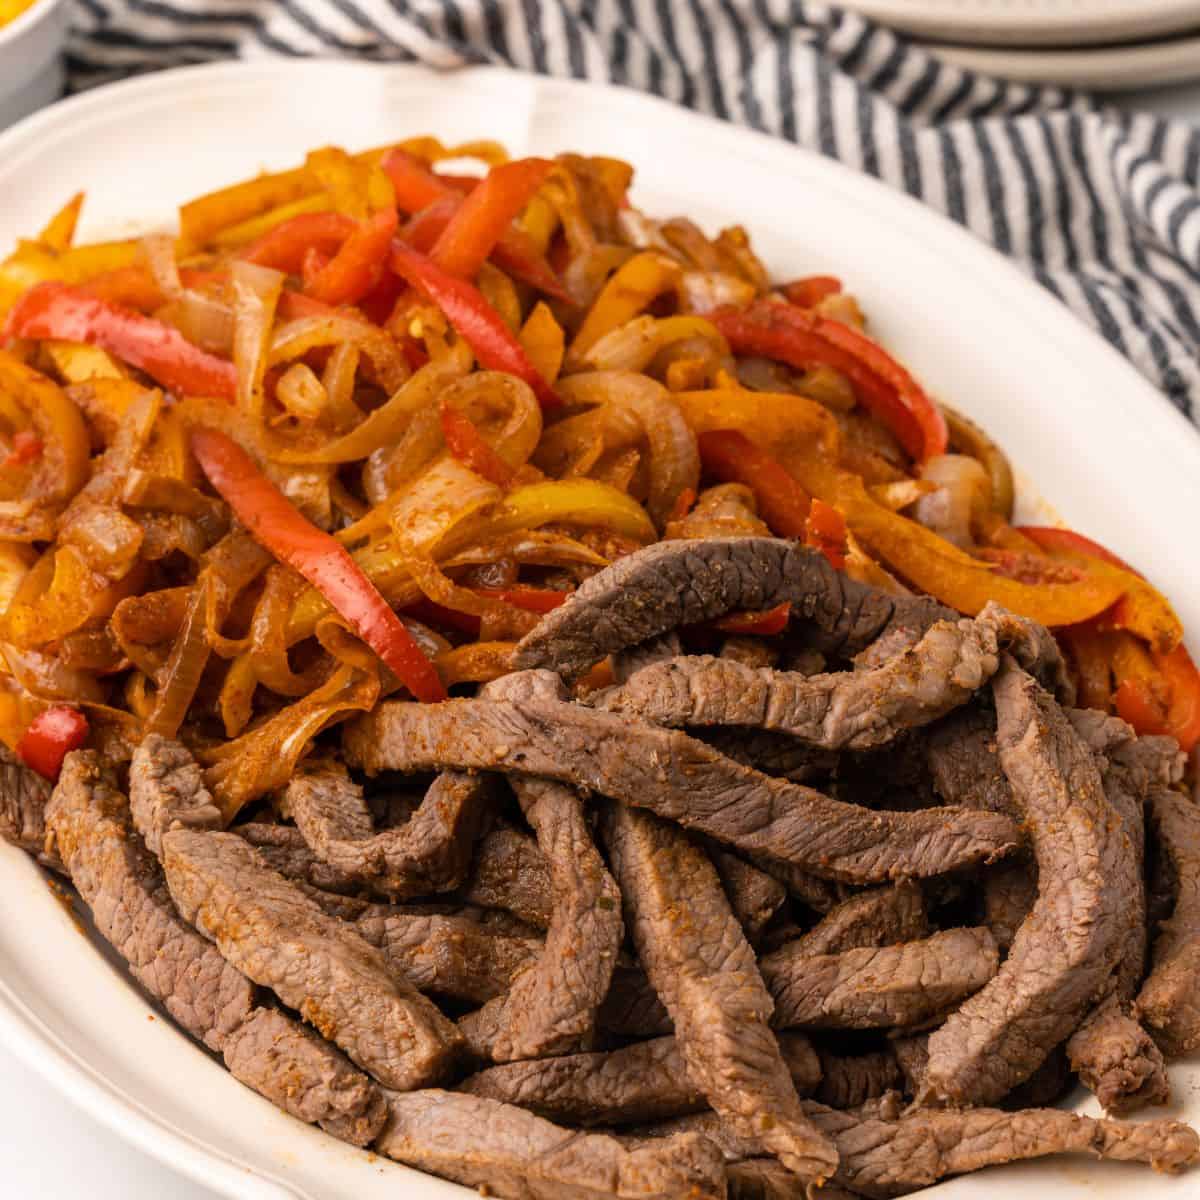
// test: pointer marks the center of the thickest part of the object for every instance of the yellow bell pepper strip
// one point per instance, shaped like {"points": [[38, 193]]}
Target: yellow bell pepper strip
{"points": [[60, 230], [55, 310], [358, 265], [802, 339], [732, 457], [1142, 609], [772, 420], [544, 341], [278, 525], [481, 219], [285, 246], [51, 736], [475, 320], [630, 291], [939, 568], [810, 290]]}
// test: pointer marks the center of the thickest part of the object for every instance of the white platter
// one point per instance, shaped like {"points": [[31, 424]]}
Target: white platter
{"points": [[1108, 452], [1033, 22]]}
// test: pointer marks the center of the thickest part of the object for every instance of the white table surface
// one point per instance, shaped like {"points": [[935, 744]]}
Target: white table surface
{"points": [[52, 1151]]}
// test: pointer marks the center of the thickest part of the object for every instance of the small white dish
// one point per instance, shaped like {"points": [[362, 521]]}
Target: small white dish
{"points": [[31, 70]]}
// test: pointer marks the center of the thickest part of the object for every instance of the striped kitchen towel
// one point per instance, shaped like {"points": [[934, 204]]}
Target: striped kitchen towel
{"points": [[1101, 208]]}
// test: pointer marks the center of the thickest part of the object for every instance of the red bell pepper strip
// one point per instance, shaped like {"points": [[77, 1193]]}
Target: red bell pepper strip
{"points": [[763, 624], [274, 522], [26, 447], [466, 443], [284, 247], [55, 310], [473, 231], [1183, 711], [811, 290], [315, 261], [429, 613], [293, 305], [531, 599], [801, 339], [476, 321], [415, 185], [825, 530], [51, 736], [357, 266], [732, 457], [424, 228]]}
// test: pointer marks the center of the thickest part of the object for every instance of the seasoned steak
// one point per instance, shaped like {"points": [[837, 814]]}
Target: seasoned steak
{"points": [[24, 795], [632, 1007], [284, 849], [678, 778], [879, 987], [121, 882], [771, 753], [551, 1008], [680, 582], [646, 1081], [317, 965], [1169, 1002], [428, 854], [879, 917], [1064, 954], [448, 955], [964, 761], [1009, 893], [698, 960], [510, 872], [753, 895], [515, 1154], [166, 791], [305, 1076], [848, 1080]]}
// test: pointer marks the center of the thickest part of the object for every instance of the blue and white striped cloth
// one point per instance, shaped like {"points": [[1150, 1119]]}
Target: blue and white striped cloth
{"points": [[1102, 208]]}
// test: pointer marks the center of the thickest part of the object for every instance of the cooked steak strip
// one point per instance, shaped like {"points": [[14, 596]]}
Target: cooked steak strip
{"points": [[912, 1056], [305, 1076], [657, 649], [166, 791], [276, 935], [24, 795], [821, 895], [753, 895], [879, 917], [768, 1179], [1009, 893], [879, 987], [632, 1007], [897, 1154], [283, 847], [844, 710], [848, 1080], [698, 960], [428, 854], [646, 1081], [771, 753], [1169, 1002], [678, 778], [515, 1154], [964, 762], [449, 955], [679, 582], [1117, 1059], [123, 885], [551, 1008], [1064, 954], [510, 872]]}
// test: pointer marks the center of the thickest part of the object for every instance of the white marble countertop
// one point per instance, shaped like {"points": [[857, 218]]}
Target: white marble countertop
{"points": [[52, 1151]]}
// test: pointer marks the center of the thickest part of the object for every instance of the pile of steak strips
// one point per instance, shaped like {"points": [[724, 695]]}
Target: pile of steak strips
{"points": [[845, 909]]}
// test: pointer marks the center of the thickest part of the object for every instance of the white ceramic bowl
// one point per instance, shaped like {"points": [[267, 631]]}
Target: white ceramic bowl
{"points": [[31, 69]]}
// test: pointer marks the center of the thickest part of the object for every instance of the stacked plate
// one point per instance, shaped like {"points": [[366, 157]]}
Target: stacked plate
{"points": [[1105, 44]]}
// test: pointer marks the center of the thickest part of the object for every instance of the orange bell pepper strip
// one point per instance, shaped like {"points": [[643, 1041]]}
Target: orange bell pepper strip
{"points": [[481, 219], [284, 248], [358, 264], [55, 310], [732, 457], [809, 291], [51, 736], [801, 339], [278, 525], [1143, 609], [475, 320], [629, 291], [825, 530], [1183, 710], [466, 444], [26, 448]]}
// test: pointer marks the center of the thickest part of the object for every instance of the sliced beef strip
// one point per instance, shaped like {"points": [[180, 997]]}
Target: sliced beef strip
{"points": [[551, 1007], [646, 1081], [768, 1179], [698, 960], [676, 583], [879, 987], [844, 710], [769, 752], [88, 819], [284, 848], [821, 895], [166, 791], [1009, 893], [912, 1056], [1117, 1059], [449, 955], [1063, 956], [510, 872], [305, 1076], [905, 1150], [632, 1007], [848, 1080], [517, 1155], [24, 795], [271, 931], [754, 896], [657, 649], [964, 761], [1169, 1001], [878, 917], [678, 778]]}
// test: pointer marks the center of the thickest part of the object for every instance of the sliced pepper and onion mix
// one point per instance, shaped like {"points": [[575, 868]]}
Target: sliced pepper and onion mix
{"points": [[362, 422]]}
